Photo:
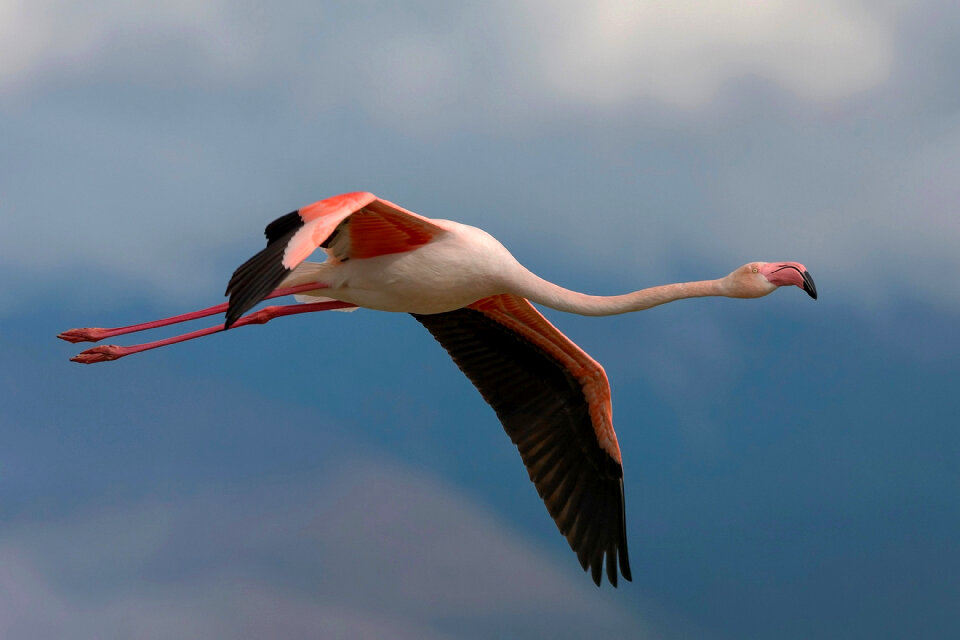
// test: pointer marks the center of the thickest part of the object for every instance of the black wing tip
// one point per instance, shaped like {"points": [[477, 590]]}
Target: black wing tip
{"points": [[233, 314], [624, 555], [612, 567], [611, 559], [283, 225], [616, 554], [624, 560], [259, 276]]}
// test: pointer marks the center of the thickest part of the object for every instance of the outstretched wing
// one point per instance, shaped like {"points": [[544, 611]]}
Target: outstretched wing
{"points": [[554, 402], [351, 225]]}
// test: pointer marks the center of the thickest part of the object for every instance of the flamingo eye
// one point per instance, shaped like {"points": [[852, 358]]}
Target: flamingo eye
{"points": [[755, 270]]}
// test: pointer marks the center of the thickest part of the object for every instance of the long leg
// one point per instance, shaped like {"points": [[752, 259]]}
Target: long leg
{"points": [[95, 334], [108, 352]]}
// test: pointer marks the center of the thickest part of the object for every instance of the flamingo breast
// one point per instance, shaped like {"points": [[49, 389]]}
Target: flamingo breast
{"points": [[449, 273]]}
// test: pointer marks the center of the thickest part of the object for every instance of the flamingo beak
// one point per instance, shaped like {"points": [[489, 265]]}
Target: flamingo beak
{"points": [[808, 284]]}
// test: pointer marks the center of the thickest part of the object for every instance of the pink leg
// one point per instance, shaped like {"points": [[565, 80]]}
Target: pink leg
{"points": [[95, 334], [112, 352]]}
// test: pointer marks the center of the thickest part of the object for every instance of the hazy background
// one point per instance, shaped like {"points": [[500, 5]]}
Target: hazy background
{"points": [[791, 466]]}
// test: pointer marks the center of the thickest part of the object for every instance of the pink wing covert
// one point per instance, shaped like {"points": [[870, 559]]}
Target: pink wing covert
{"points": [[377, 227], [522, 317]]}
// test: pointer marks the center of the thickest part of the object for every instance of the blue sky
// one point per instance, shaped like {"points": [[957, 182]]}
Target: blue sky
{"points": [[791, 466]]}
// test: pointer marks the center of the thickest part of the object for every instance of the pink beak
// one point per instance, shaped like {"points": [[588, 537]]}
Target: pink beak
{"points": [[790, 273]]}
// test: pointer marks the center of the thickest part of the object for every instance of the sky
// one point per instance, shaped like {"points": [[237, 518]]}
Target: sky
{"points": [[792, 468]]}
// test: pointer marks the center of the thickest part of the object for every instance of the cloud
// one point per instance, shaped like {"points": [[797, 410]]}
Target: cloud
{"points": [[503, 55], [370, 550], [682, 53]]}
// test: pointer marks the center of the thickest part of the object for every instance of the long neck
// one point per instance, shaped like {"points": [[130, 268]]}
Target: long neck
{"points": [[543, 292]]}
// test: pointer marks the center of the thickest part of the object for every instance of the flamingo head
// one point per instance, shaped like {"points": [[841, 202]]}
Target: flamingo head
{"points": [[758, 279]]}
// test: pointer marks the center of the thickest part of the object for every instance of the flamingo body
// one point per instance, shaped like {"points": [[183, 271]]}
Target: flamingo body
{"points": [[379, 256], [475, 298]]}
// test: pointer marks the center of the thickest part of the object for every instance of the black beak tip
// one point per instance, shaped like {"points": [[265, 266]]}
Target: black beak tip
{"points": [[808, 285]]}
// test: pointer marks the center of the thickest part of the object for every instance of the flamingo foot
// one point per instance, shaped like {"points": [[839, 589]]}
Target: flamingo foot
{"points": [[103, 353], [262, 316], [88, 334]]}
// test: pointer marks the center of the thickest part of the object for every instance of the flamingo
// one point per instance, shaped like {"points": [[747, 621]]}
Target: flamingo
{"points": [[475, 298]]}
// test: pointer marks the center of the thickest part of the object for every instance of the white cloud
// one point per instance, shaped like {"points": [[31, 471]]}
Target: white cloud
{"points": [[374, 551], [458, 64], [682, 52]]}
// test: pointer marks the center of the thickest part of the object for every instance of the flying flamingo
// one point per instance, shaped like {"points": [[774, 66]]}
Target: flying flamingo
{"points": [[475, 298]]}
